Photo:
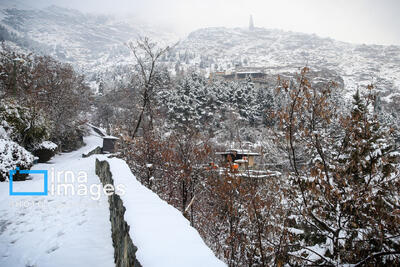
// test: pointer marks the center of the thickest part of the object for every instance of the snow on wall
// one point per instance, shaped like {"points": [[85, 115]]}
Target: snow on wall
{"points": [[161, 233], [124, 249]]}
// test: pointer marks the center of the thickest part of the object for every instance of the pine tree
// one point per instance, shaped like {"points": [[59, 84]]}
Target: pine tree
{"points": [[343, 198], [368, 167]]}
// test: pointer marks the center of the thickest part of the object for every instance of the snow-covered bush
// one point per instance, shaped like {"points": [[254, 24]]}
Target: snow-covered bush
{"points": [[20, 125], [47, 100], [344, 202], [72, 139], [45, 151], [47, 145], [13, 155]]}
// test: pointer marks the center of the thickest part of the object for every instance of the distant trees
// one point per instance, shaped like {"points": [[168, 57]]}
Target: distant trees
{"points": [[190, 103], [197, 101]]}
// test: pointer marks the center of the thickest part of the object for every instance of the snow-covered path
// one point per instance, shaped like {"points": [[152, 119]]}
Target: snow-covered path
{"points": [[54, 230]]}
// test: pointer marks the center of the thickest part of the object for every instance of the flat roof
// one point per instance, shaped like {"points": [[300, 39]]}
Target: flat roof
{"points": [[249, 72], [239, 152], [110, 137], [241, 161]]}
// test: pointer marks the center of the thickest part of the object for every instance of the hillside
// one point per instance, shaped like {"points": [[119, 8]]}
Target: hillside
{"points": [[93, 44], [279, 51], [96, 45]]}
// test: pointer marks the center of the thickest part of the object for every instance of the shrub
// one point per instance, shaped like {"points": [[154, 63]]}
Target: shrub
{"points": [[72, 139], [45, 151], [13, 155], [21, 125]]}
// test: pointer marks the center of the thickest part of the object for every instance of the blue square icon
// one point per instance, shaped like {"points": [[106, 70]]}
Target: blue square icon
{"points": [[42, 193]]}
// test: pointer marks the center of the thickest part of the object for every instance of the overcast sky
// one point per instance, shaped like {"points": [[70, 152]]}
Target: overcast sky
{"points": [[357, 21]]}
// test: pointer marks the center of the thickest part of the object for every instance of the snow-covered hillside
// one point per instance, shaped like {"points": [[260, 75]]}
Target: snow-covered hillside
{"points": [[96, 45], [93, 44], [278, 51]]}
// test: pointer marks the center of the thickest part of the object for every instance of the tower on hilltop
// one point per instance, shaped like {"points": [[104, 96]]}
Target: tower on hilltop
{"points": [[251, 23]]}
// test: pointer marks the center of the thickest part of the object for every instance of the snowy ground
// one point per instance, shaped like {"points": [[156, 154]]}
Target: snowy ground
{"points": [[54, 230], [74, 230]]}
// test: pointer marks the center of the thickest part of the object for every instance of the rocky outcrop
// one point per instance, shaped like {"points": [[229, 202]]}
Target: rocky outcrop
{"points": [[124, 249]]}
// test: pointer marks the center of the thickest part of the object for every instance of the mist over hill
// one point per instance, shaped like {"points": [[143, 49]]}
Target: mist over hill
{"points": [[96, 45]]}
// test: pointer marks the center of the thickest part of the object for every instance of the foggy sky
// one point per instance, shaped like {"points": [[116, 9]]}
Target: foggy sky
{"points": [[357, 21]]}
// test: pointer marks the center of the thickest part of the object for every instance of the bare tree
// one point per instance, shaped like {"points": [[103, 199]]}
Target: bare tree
{"points": [[147, 54]]}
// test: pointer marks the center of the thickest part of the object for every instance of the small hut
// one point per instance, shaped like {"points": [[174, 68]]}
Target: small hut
{"points": [[109, 144], [239, 159]]}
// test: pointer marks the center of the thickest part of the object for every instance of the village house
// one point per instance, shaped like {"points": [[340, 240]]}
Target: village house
{"points": [[257, 75], [239, 159]]}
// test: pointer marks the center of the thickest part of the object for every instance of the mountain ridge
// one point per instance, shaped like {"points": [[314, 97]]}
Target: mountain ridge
{"points": [[96, 45]]}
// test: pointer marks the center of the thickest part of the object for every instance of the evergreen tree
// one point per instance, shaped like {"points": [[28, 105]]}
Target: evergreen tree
{"points": [[345, 197]]}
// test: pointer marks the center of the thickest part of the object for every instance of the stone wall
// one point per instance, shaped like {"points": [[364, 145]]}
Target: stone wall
{"points": [[124, 249], [97, 150]]}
